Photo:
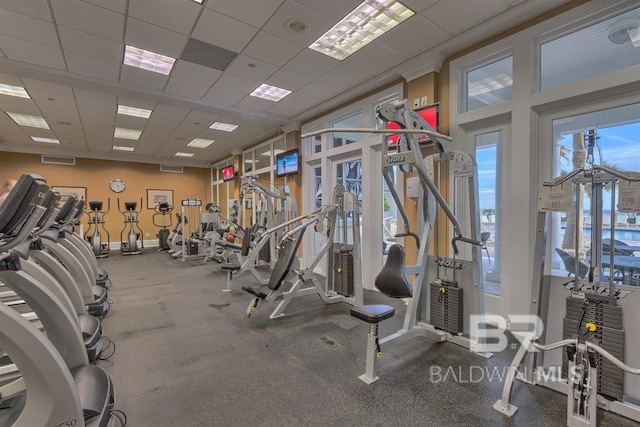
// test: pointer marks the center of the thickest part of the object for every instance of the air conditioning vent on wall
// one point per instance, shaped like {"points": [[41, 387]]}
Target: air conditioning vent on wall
{"points": [[59, 160], [171, 168]]}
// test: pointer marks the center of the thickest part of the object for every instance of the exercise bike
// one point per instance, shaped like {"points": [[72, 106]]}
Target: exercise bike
{"points": [[100, 249], [162, 209], [130, 246]]}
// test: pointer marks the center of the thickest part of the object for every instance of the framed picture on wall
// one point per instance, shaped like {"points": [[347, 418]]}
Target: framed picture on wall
{"points": [[154, 197], [65, 192]]}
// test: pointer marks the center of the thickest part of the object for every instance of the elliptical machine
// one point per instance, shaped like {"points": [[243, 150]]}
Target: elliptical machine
{"points": [[100, 249], [163, 209], [130, 246]]}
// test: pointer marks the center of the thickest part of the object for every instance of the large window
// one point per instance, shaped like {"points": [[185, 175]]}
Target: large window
{"points": [[617, 147], [607, 46], [490, 84]]}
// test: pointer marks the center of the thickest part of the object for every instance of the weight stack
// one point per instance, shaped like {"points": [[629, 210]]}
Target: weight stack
{"points": [[607, 316], [343, 274], [265, 253], [446, 307], [192, 249]]}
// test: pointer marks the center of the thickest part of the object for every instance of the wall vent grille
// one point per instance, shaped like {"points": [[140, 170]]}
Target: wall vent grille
{"points": [[59, 160], [171, 168]]}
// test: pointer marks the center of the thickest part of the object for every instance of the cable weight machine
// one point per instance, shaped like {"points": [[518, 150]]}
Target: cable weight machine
{"points": [[131, 220], [100, 248]]}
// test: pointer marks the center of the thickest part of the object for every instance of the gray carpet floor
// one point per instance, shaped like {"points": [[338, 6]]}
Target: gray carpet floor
{"points": [[188, 356]]}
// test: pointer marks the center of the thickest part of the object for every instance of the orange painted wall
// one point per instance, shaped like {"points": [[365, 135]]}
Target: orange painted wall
{"points": [[95, 175]]}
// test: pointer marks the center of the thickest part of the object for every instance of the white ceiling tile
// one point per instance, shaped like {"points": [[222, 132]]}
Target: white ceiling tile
{"points": [[94, 67], [28, 28], [251, 12], [289, 79], [178, 16], [311, 63], [89, 18], [88, 44], [36, 8], [130, 122], [105, 102], [144, 78], [186, 70], [19, 105], [288, 110], [317, 24], [223, 31], [234, 83], [319, 91], [344, 76], [430, 35], [186, 88], [259, 72], [52, 88], [35, 53], [153, 38], [222, 96], [119, 6], [335, 9], [374, 58], [271, 49], [252, 103], [467, 13], [10, 79], [419, 5]]}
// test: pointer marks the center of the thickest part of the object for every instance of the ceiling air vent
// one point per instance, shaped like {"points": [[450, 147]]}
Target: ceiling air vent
{"points": [[59, 160], [171, 168]]}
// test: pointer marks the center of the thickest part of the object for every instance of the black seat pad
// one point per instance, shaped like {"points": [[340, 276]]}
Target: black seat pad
{"points": [[254, 291], [233, 246], [372, 313], [231, 267], [392, 280]]}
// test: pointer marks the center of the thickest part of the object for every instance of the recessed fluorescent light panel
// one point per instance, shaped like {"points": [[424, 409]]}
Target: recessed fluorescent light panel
{"points": [[272, 93], [133, 111], [47, 140], [29, 121], [123, 133], [13, 91], [198, 1], [223, 126], [200, 143], [123, 148], [148, 60], [364, 24], [181, 154]]}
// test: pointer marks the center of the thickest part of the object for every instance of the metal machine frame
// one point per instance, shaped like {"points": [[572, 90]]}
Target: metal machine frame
{"points": [[100, 249], [130, 246]]}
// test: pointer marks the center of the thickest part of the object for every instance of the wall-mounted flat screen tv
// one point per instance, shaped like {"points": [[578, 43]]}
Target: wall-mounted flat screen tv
{"points": [[431, 114], [228, 173], [288, 163]]}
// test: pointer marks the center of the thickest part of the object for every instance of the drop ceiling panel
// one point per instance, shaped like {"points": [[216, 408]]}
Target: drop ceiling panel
{"points": [[319, 91], [252, 103], [51, 88], [119, 6], [177, 16], [35, 53], [272, 49], [28, 28], [10, 79], [311, 63], [143, 78], [233, 83], [317, 24], [90, 45], [334, 9], [186, 88], [96, 100], [288, 110], [186, 70], [36, 8], [425, 33], [153, 38], [224, 97], [18, 105], [467, 13], [419, 5], [130, 122], [250, 12], [374, 58], [259, 72], [344, 75], [57, 109], [94, 67], [289, 79], [223, 31], [88, 18], [133, 102]]}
